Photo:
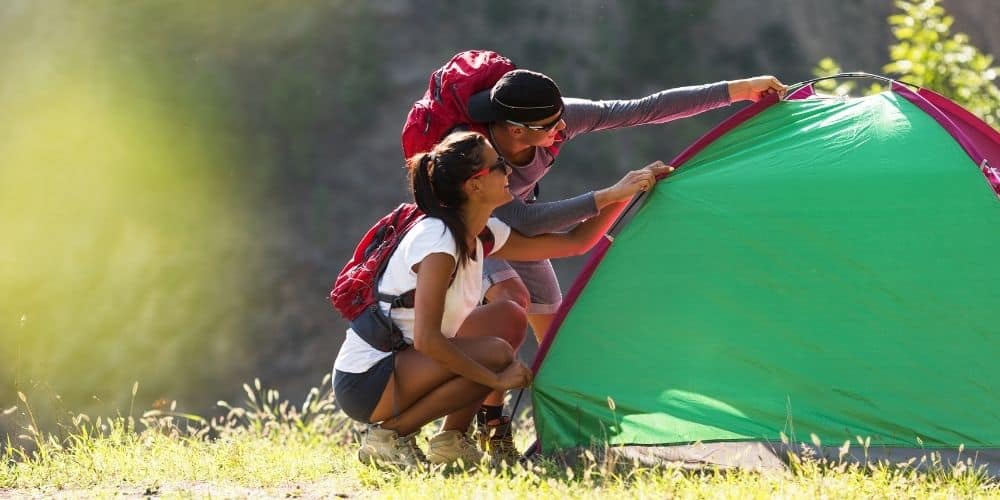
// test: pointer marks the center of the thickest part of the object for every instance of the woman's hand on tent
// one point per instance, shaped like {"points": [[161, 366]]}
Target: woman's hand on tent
{"points": [[637, 180], [754, 89], [516, 375]]}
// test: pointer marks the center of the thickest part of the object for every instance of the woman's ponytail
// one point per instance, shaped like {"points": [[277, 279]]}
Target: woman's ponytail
{"points": [[421, 185], [436, 180]]}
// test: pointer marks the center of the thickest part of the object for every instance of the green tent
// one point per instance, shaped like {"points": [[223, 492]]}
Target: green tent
{"points": [[816, 270]]}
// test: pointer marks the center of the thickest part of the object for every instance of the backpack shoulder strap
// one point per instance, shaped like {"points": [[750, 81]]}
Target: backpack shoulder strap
{"points": [[407, 299], [412, 217], [489, 241]]}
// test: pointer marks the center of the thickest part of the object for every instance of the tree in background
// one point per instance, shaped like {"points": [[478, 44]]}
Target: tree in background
{"points": [[928, 55]]}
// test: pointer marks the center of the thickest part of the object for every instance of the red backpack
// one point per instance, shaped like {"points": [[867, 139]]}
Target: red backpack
{"points": [[355, 292], [355, 289], [443, 106]]}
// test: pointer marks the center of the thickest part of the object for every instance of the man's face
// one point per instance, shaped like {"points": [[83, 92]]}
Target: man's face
{"points": [[542, 133]]}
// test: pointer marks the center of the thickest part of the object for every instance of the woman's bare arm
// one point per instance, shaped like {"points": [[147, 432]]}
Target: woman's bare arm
{"points": [[433, 279]]}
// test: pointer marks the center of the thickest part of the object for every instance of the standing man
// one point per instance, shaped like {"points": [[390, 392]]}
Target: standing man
{"points": [[526, 115]]}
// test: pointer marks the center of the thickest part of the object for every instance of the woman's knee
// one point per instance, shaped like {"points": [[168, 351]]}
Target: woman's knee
{"points": [[514, 322], [513, 290], [503, 318], [497, 354]]}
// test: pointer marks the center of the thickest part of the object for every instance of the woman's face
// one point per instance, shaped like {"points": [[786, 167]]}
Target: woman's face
{"points": [[493, 180]]}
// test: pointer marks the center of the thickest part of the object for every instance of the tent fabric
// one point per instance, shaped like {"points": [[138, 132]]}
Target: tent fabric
{"points": [[820, 268], [984, 139], [951, 119]]}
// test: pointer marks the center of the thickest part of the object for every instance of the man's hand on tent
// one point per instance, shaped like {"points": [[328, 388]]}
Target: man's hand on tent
{"points": [[754, 89], [659, 169], [637, 180]]}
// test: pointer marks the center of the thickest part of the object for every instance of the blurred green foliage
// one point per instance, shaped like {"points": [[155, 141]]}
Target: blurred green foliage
{"points": [[124, 253], [928, 54], [167, 196]]}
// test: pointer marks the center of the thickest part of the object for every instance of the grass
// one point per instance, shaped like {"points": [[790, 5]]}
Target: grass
{"points": [[272, 448]]}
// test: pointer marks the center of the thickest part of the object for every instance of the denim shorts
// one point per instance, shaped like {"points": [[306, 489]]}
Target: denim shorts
{"points": [[538, 277], [358, 393]]}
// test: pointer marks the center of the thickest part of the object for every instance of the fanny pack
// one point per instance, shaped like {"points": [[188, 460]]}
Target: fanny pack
{"points": [[378, 329]]}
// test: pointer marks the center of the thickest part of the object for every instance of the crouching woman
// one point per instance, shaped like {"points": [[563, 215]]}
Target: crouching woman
{"points": [[461, 351]]}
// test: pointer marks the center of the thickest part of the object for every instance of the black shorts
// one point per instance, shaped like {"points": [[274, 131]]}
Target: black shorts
{"points": [[358, 393]]}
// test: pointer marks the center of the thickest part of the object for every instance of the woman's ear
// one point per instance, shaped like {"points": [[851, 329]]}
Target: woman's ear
{"points": [[471, 187]]}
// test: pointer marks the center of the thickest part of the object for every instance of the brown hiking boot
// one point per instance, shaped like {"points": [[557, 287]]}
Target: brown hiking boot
{"points": [[385, 447], [452, 446], [497, 439]]}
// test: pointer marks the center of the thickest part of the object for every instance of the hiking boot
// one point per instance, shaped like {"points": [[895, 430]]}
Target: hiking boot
{"points": [[385, 447], [450, 446], [497, 439]]}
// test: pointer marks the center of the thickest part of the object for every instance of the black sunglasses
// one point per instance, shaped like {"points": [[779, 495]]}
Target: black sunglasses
{"points": [[545, 127]]}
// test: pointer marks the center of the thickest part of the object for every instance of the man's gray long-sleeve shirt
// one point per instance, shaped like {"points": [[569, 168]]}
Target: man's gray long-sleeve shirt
{"points": [[583, 116]]}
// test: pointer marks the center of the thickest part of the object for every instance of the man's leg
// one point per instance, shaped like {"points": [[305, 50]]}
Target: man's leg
{"points": [[544, 294], [504, 289], [535, 284], [502, 284], [540, 324]]}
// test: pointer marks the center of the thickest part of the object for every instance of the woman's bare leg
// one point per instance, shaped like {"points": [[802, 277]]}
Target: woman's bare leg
{"points": [[420, 390], [512, 289], [503, 318]]}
